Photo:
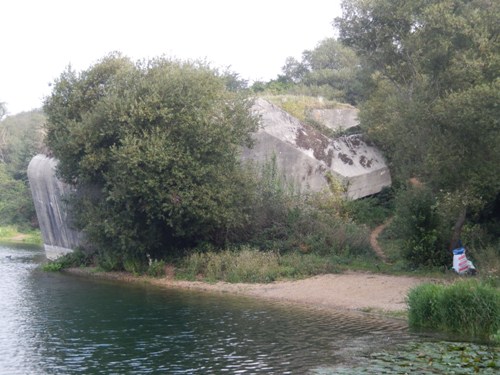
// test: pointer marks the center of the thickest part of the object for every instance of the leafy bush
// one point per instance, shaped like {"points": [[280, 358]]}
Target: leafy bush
{"points": [[52, 266], [160, 142], [283, 219], [466, 307], [487, 261], [156, 268], [367, 211], [109, 260], [134, 265], [76, 258], [16, 204], [417, 224]]}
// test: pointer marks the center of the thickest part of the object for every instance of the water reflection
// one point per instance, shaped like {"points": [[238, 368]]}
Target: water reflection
{"points": [[61, 324]]}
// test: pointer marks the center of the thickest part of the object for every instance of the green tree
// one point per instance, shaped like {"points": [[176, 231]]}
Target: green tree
{"points": [[153, 149], [434, 109], [333, 64], [330, 68], [294, 70], [20, 139], [16, 205]]}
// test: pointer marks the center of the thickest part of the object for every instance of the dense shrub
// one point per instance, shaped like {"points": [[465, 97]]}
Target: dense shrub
{"points": [[283, 219], [466, 307], [160, 141], [16, 204], [367, 211], [417, 223], [156, 268], [75, 258]]}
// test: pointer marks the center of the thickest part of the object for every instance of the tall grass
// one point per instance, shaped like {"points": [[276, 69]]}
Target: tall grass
{"points": [[10, 232], [468, 307], [299, 105], [252, 266], [282, 218]]}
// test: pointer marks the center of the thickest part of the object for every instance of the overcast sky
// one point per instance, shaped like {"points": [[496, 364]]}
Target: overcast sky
{"points": [[40, 38]]}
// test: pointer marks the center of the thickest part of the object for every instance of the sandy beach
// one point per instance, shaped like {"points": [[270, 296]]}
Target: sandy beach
{"points": [[361, 291]]}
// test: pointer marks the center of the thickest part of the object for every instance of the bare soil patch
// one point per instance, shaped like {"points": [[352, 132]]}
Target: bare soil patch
{"points": [[374, 240], [19, 237]]}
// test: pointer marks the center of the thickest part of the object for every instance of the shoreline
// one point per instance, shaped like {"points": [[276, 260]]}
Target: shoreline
{"points": [[352, 290]]}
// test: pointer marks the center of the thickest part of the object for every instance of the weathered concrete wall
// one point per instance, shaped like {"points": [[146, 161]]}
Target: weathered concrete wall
{"points": [[336, 119], [306, 156], [48, 196]]}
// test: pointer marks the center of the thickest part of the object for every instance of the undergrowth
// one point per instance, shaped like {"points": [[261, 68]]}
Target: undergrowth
{"points": [[248, 265]]}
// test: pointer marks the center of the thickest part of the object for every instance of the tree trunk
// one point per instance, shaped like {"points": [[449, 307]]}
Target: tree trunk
{"points": [[457, 229]]}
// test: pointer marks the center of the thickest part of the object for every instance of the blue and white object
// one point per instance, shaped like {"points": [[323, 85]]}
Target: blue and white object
{"points": [[461, 264]]}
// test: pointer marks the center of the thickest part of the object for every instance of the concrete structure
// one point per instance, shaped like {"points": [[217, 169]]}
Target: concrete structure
{"points": [[341, 118], [307, 157], [48, 195]]}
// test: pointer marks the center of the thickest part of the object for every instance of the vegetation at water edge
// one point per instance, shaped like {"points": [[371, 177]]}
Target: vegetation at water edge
{"points": [[152, 148], [11, 234], [425, 358], [468, 307]]}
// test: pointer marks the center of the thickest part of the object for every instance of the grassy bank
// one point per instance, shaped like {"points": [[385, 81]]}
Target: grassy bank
{"points": [[11, 234], [252, 266], [245, 265], [469, 308]]}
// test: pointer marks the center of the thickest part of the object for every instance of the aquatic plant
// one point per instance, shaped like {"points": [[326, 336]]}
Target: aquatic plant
{"points": [[425, 358], [52, 266], [467, 307]]}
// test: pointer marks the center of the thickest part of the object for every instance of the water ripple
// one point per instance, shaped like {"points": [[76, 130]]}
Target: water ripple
{"points": [[59, 324]]}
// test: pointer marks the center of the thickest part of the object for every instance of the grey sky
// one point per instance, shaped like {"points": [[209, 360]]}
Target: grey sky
{"points": [[252, 37]]}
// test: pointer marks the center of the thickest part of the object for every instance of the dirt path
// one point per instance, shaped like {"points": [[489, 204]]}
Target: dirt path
{"points": [[374, 240], [19, 238]]}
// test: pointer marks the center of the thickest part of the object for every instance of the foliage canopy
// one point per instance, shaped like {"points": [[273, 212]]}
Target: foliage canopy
{"points": [[154, 145], [20, 139], [331, 70], [434, 105]]}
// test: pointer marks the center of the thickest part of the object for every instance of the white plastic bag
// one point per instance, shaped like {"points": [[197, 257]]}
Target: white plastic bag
{"points": [[461, 264]]}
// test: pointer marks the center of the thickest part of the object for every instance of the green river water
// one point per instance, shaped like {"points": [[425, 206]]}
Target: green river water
{"points": [[53, 323]]}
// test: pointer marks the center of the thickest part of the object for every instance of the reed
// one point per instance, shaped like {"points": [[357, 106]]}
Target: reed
{"points": [[467, 307]]}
